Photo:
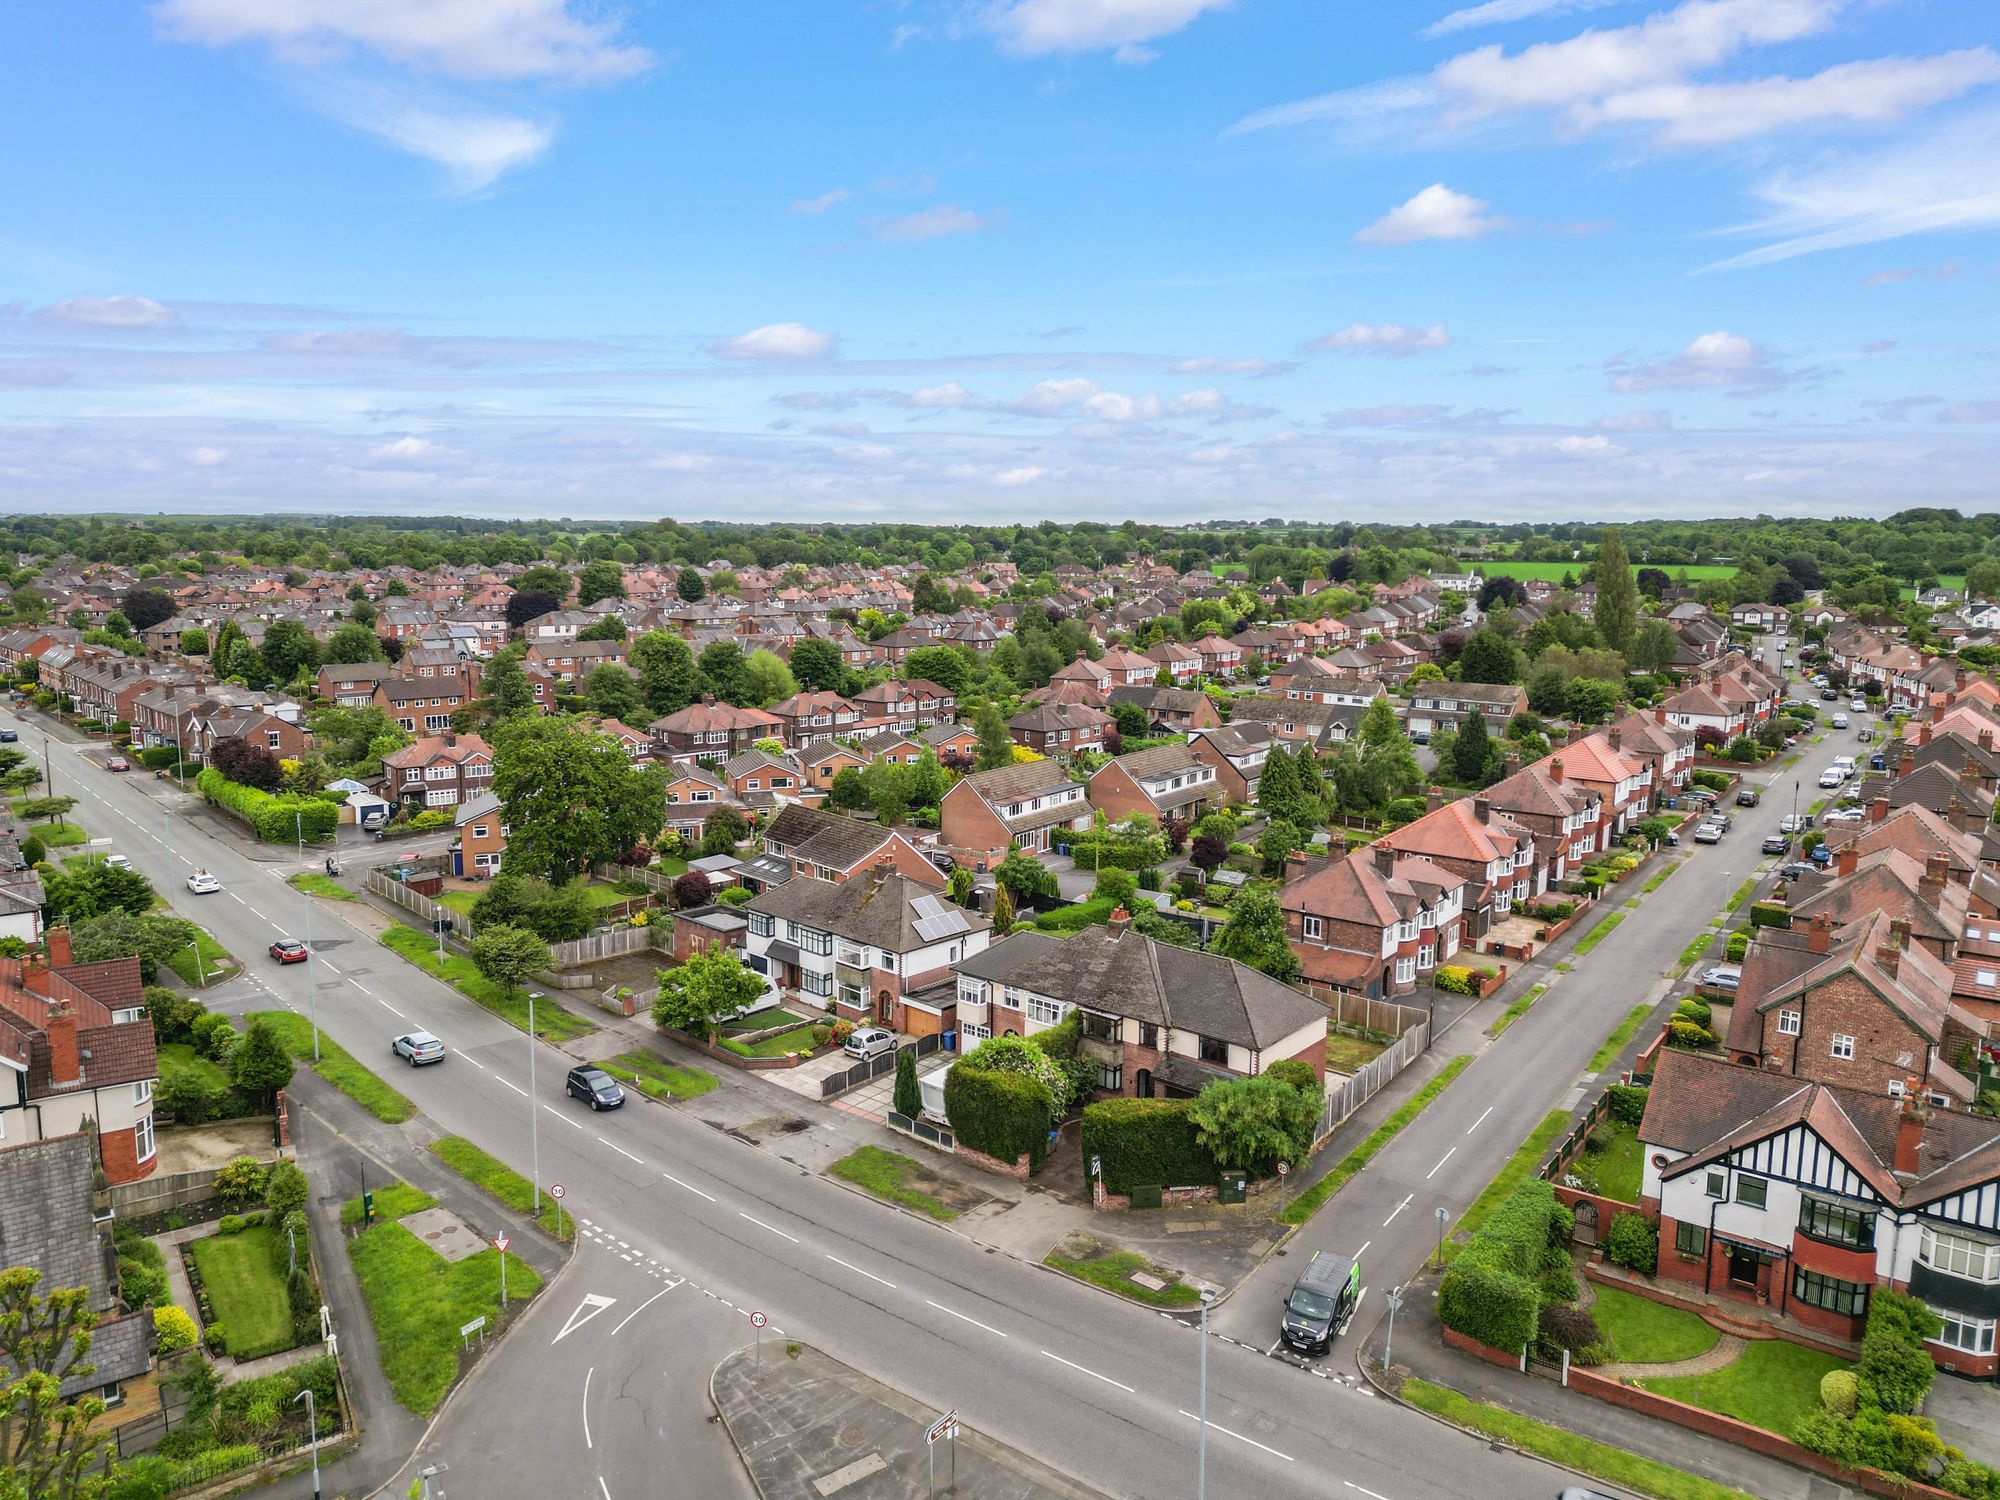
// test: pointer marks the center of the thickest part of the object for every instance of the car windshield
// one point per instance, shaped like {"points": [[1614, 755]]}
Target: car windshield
{"points": [[1309, 1304], [606, 1089]]}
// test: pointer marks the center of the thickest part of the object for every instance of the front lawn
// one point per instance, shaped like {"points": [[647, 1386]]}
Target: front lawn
{"points": [[492, 1175], [657, 1078], [552, 1022], [1349, 1054], [395, 1200], [214, 962], [883, 1172], [337, 1066], [418, 1301], [763, 1020], [179, 1057], [1614, 1171], [244, 1274], [461, 902], [1771, 1385], [1646, 1332], [60, 835], [799, 1039]]}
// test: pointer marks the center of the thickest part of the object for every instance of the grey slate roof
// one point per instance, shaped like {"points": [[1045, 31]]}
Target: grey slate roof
{"points": [[873, 909]]}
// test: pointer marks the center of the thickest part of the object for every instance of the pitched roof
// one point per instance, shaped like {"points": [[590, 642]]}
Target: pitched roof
{"points": [[876, 909]]}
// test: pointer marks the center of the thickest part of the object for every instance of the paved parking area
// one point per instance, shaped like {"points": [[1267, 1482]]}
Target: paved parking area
{"points": [[875, 1097]]}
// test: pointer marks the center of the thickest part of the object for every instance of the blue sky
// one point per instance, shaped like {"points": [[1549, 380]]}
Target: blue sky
{"points": [[1012, 259]]}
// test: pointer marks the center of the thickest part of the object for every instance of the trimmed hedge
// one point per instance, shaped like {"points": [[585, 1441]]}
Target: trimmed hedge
{"points": [[1493, 1291], [1148, 1142], [1628, 1102], [1000, 1114], [275, 819], [158, 757], [1770, 914], [1454, 980]]}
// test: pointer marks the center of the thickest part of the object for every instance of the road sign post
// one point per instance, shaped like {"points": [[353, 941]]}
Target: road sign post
{"points": [[1444, 1218], [757, 1321], [944, 1429], [500, 1243], [1284, 1171]]}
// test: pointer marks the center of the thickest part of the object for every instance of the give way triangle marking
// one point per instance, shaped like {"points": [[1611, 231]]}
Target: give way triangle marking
{"points": [[589, 1308]]}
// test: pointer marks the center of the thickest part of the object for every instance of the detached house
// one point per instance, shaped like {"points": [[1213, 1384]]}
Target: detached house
{"points": [[984, 813], [439, 770], [1163, 782]]}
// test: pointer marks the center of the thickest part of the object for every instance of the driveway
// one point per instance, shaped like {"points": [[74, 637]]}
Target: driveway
{"points": [[877, 1096], [806, 1077]]}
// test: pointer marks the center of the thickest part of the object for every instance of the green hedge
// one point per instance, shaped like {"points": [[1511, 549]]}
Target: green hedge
{"points": [[1770, 914], [276, 819], [1000, 1114], [158, 757], [1148, 1142], [1493, 1291]]}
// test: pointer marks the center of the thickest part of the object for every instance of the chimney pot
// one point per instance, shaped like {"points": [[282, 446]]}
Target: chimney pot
{"points": [[65, 1058], [1120, 920], [1556, 769]]}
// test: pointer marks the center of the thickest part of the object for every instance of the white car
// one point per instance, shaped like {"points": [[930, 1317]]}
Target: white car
{"points": [[870, 1041], [1840, 721], [117, 862], [203, 884], [417, 1048], [1859, 705], [1830, 777]]}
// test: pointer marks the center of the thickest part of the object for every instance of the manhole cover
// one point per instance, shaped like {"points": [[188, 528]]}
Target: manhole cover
{"points": [[851, 1437]]}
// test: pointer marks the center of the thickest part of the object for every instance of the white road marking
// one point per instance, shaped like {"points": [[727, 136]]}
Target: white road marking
{"points": [[621, 1150], [363, 988], [1363, 1250], [573, 1124], [238, 899], [859, 1272], [1359, 1298], [962, 1317], [515, 1087], [586, 1406], [1478, 1122], [474, 1061], [1359, 1491], [762, 1225], [1092, 1373], [1441, 1161], [602, 1488], [1217, 1427], [1274, 1346], [678, 1183], [328, 967], [1396, 1210]]}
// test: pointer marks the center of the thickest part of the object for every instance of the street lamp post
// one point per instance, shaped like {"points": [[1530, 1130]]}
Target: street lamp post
{"points": [[1443, 1218], [1201, 1448], [534, 1125], [1389, 1340], [299, 822], [312, 1421]]}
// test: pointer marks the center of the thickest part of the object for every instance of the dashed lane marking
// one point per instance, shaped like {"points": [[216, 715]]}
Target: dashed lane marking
{"points": [[859, 1272], [474, 1061], [1085, 1370], [962, 1317], [621, 1150], [1218, 1427], [1480, 1121], [678, 1183], [778, 1232]]}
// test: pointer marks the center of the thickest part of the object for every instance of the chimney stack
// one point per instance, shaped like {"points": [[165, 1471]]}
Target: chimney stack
{"points": [[1961, 816], [1819, 934], [1986, 739], [1878, 809], [1481, 809], [65, 1058], [1512, 761], [1434, 799], [1844, 859], [1119, 921], [1899, 932], [1888, 957], [1924, 732], [1385, 860], [1556, 769], [1616, 736], [1660, 714], [1937, 868], [1910, 1131]]}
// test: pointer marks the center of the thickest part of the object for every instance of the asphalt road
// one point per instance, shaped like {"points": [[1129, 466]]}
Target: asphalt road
{"points": [[1104, 1391]]}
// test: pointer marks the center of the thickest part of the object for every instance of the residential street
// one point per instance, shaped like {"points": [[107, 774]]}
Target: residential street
{"points": [[692, 1228]]}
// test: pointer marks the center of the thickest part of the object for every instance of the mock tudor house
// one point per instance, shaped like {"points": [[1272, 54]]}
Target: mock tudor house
{"points": [[981, 815], [1163, 782], [1161, 1021], [877, 948], [439, 770], [1800, 1198], [1373, 923]]}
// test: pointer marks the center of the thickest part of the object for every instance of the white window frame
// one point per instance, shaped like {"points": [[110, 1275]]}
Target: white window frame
{"points": [[1966, 1334], [1311, 927], [1959, 1255], [1047, 1012], [142, 1137], [1788, 1023], [142, 1090], [1406, 970], [1842, 1047]]}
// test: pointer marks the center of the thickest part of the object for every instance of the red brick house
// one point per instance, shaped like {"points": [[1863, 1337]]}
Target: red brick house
{"points": [[1060, 728], [1165, 781], [439, 771], [1374, 923], [822, 845], [984, 813], [709, 730]]}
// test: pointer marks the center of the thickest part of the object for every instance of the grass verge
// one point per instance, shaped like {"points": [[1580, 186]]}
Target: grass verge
{"points": [[1310, 1201], [882, 1173], [1517, 1010], [552, 1022], [315, 884], [1659, 879], [657, 1078], [214, 962], [337, 1066], [245, 1277], [1112, 1270], [1601, 1460], [495, 1177], [1510, 1176], [1691, 954], [394, 1201], [1597, 935], [1615, 1043], [1742, 894], [418, 1300]]}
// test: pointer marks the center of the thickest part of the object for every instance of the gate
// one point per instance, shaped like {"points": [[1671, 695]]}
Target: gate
{"points": [[1551, 1361], [1586, 1222]]}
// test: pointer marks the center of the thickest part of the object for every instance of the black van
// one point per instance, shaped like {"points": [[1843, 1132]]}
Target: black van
{"points": [[1320, 1302]]}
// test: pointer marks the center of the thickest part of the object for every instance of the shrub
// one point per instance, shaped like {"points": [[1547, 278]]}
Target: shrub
{"points": [[1255, 1123], [1894, 1371], [1492, 1292], [229, 1224], [158, 757], [1628, 1102], [1634, 1243], [1737, 946], [241, 1182], [1770, 914], [1839, 1390], [1498, 1310], [1570, 1327], [1001, 1114], [1689, 1035], [276, 819], [1293, 1070], [188, 1096], [1696, 1011], [174, 1329], [1454, 980], [1148, 1142], [172, 1014], [213, 1037], [285, 1189]]}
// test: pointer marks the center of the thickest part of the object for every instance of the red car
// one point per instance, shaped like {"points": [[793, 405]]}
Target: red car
{"points": [[118, 763], [289, 951]]}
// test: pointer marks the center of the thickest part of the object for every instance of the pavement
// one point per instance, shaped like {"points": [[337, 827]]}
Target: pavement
{"points": [[809, 1428], [725, 1195]]}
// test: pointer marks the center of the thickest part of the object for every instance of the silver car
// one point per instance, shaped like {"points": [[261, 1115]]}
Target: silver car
{"points": [[417, 1048], [870, 1041], [1722, 977]]}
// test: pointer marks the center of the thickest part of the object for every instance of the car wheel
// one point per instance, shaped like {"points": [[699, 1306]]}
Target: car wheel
{"points": [[594, 1105], [412, 1059]]}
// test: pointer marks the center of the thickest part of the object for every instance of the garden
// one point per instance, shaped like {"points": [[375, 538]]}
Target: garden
{"points": [[253, 1278]]}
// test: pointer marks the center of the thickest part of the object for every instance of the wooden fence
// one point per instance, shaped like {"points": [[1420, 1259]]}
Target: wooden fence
{"points": [[1384, 1017], [610, 942], [1344, 1099]]}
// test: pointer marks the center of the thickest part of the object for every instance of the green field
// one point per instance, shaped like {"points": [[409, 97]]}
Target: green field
{"points": [[1552, 572], [552, 1022]]}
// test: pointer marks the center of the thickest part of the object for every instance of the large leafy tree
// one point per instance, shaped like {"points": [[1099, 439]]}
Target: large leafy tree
{"points": [[143, 608], [711, 985], [689, 586], [817, 664], [572, 797], [48, 1448], [260, 1065], [1471, 750], [996, 746], [1617, 614], [1489, 657], [602, 579], [76, 895], [613, 692], [1654, 646], [507, 956], [948, 666], [288, 650], [668, 675], [352, 643], [356, 739], [153, 938], [1255, 935], [524, 605], [723, 671], [766, 678], [506, 691]]}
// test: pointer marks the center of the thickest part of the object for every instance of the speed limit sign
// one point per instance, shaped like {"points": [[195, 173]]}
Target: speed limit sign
{"points": [[556, 1190], [758, 1320]]}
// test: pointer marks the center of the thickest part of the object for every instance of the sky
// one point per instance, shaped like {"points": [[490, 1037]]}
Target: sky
{"points": [[1003, 260]]}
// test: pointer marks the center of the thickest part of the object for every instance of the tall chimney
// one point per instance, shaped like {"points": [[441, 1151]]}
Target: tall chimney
{"points": [[1899, 932], [1385, 860], [1878, 809], [57, 942], [1924, 732], [1910, 1131], [1819, 934], [1888, 957], [1556, 769], [1986, 739], [1961, 816], [1434, 799], [1937, 867], [1616, 736], [1481, 809], [65, 1057], [1660, 714], [1844, 859]]}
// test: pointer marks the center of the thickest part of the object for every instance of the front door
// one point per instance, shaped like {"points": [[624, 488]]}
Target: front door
{"points": [[1742, 1266], [883, 1007]]}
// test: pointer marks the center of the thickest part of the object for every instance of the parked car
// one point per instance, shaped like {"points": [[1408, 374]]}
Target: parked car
{"points": [[870, 1041], [1839, 721], [118, 763], [1828, 695], [1797, 868], [419, 1047], [1830, 778], [1722, 977], [290, 951], [1791, 823], [117, 862], [203, 884], [1821, 855], [1749, 796], [1776, 843], [1858, 705], [1320, 1303], [1708, 833], [594, 1087]]}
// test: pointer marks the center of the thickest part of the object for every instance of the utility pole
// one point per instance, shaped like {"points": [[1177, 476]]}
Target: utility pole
{"points": [[1201, 1449]]}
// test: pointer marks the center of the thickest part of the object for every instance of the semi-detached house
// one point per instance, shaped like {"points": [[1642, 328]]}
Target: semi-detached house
{"points": [[1373, 923], [981, 815], [439, 770], [1163, 782]]}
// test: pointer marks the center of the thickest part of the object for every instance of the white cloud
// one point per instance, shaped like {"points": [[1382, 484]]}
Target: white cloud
{"points": [[823, 202], [1879, 346], [1436, 213], [403, 449], [1031, 28], [473, 39], [207, 458], [1052, 398], [1383, 338], [1873, 92], [475, 147], [950, 395], [782, 341], [1210, 365], [1637, 421], [1719, 361], [1587, 447], [127, 311], [1946, 179], [1499, 12], [1013, 478], [680, 463], [817, 400], [1393, 415], [930, 224]]}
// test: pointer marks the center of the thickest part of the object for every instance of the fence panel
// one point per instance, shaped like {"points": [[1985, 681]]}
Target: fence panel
{"points": [[608, 942], [394, 891], [1343, 1101]]}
